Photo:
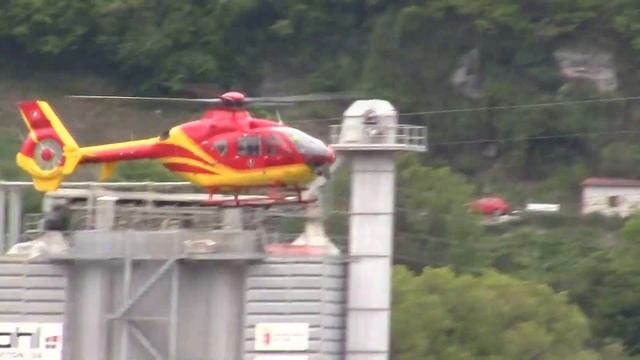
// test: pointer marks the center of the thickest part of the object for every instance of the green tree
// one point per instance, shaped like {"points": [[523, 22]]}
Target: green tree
{"points": [[625, 18], [433, 218], [607, 287], [9, 145], [620, 159], [45, 27], [546, 252], [438, 315]]}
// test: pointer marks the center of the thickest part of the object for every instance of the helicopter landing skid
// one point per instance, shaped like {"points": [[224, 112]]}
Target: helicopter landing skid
{"points": [[265, 202], [272, 199]]}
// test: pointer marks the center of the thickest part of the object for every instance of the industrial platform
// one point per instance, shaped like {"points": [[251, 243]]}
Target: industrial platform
{"points": [[147, 274]]}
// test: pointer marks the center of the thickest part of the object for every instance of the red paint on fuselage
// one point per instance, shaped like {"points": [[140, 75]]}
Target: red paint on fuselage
{"points": [[218, 124], [47, 154], [28, 147], [40, 125], [35, 116], [229, 126], [187, 168], [232, 124], [147, 151]]}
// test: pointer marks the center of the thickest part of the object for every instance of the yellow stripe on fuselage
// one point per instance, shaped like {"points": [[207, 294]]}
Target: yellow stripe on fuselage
{"points": [[67, 139], [221, 174], [90, 151], [177, 137], [214, 168], [297, 174]]}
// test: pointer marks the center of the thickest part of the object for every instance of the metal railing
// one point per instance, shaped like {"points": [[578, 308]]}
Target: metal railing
{"points": [[31, 226], [411, 136], [162, 209]]}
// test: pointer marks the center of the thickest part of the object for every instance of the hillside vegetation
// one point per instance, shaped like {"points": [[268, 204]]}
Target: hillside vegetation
{"points": [[423, 56], [407, 52]]}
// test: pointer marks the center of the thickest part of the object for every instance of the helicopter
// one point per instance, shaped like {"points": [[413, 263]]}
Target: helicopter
{"points": [[225, 150]]}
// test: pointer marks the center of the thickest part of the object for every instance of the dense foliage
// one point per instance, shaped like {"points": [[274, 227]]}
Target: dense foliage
{"points": [[408, 52], [405, 51], [438, 315]]}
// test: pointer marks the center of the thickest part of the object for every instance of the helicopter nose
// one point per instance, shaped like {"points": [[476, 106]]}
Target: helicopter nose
{"points": [[320, 161], [324, 156], [331, 158]]}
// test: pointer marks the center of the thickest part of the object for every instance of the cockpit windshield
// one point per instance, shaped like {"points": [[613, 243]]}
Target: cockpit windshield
{"points": [[305, 144]]}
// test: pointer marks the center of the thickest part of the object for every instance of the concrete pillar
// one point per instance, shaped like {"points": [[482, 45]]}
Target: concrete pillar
{"points": [[3, 220], [232, 219], [15, 216], [93, 296], [226, 332], [91, 303], [226, 329], [371, 248], [105, 212], [47, 204]]}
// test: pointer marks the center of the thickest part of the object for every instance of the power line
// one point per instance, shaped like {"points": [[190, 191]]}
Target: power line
{"points": [[501, 107], [539, 137], [523, 106]]}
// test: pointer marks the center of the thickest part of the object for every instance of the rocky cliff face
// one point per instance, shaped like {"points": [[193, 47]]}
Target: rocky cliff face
{"points": [[595, 65], [466, 78]]}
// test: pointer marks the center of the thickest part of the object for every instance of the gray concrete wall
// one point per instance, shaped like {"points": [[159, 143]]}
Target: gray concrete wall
{"points": [[298, 290], [371, 250], [198, 309], [97, 245], [34, 291], [209, 311], [193, 311]]}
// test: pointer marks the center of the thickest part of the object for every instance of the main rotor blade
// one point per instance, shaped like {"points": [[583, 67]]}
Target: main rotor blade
{"points": [[303, 98], [209, 101], [258, 101]]}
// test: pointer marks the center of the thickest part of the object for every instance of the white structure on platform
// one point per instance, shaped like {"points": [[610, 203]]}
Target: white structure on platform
{"points": [[314, 232], [369, 137], [610, 196]]}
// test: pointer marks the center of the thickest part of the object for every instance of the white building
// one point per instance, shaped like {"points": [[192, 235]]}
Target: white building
{"points": [[610, 196]]}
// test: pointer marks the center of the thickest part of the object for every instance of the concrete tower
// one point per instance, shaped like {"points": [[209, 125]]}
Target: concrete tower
{"points": [[370, 137]]}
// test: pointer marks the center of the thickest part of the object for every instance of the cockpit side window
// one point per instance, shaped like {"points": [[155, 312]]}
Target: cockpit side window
{"points": [[304, 143], [249, 146], [272, 144], [221, 146]]}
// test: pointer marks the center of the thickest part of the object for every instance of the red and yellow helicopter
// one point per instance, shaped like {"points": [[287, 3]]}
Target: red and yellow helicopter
{"points": [[226, 150]]}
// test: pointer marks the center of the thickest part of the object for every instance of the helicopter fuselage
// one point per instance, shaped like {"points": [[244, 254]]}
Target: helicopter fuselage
{"points": [[225, 148]]}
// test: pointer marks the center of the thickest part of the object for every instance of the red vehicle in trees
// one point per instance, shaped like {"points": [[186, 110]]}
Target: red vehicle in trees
{"points": [[494, 205]]}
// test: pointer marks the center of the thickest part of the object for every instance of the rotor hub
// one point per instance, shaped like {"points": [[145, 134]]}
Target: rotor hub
{"points": [[233, 98], [48, 154]]}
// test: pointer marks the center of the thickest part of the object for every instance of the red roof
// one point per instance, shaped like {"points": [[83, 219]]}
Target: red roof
{"points": [[615, 182]]}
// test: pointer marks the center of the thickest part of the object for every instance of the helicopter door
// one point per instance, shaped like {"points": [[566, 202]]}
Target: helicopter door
{"points": [[250, 152], [276, 153]]}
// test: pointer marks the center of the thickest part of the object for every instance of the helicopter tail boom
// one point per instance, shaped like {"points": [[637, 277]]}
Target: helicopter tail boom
{"points": [[49, 152]]}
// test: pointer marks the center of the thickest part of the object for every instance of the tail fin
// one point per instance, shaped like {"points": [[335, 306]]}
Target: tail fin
{"points": [[49, 152]]}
